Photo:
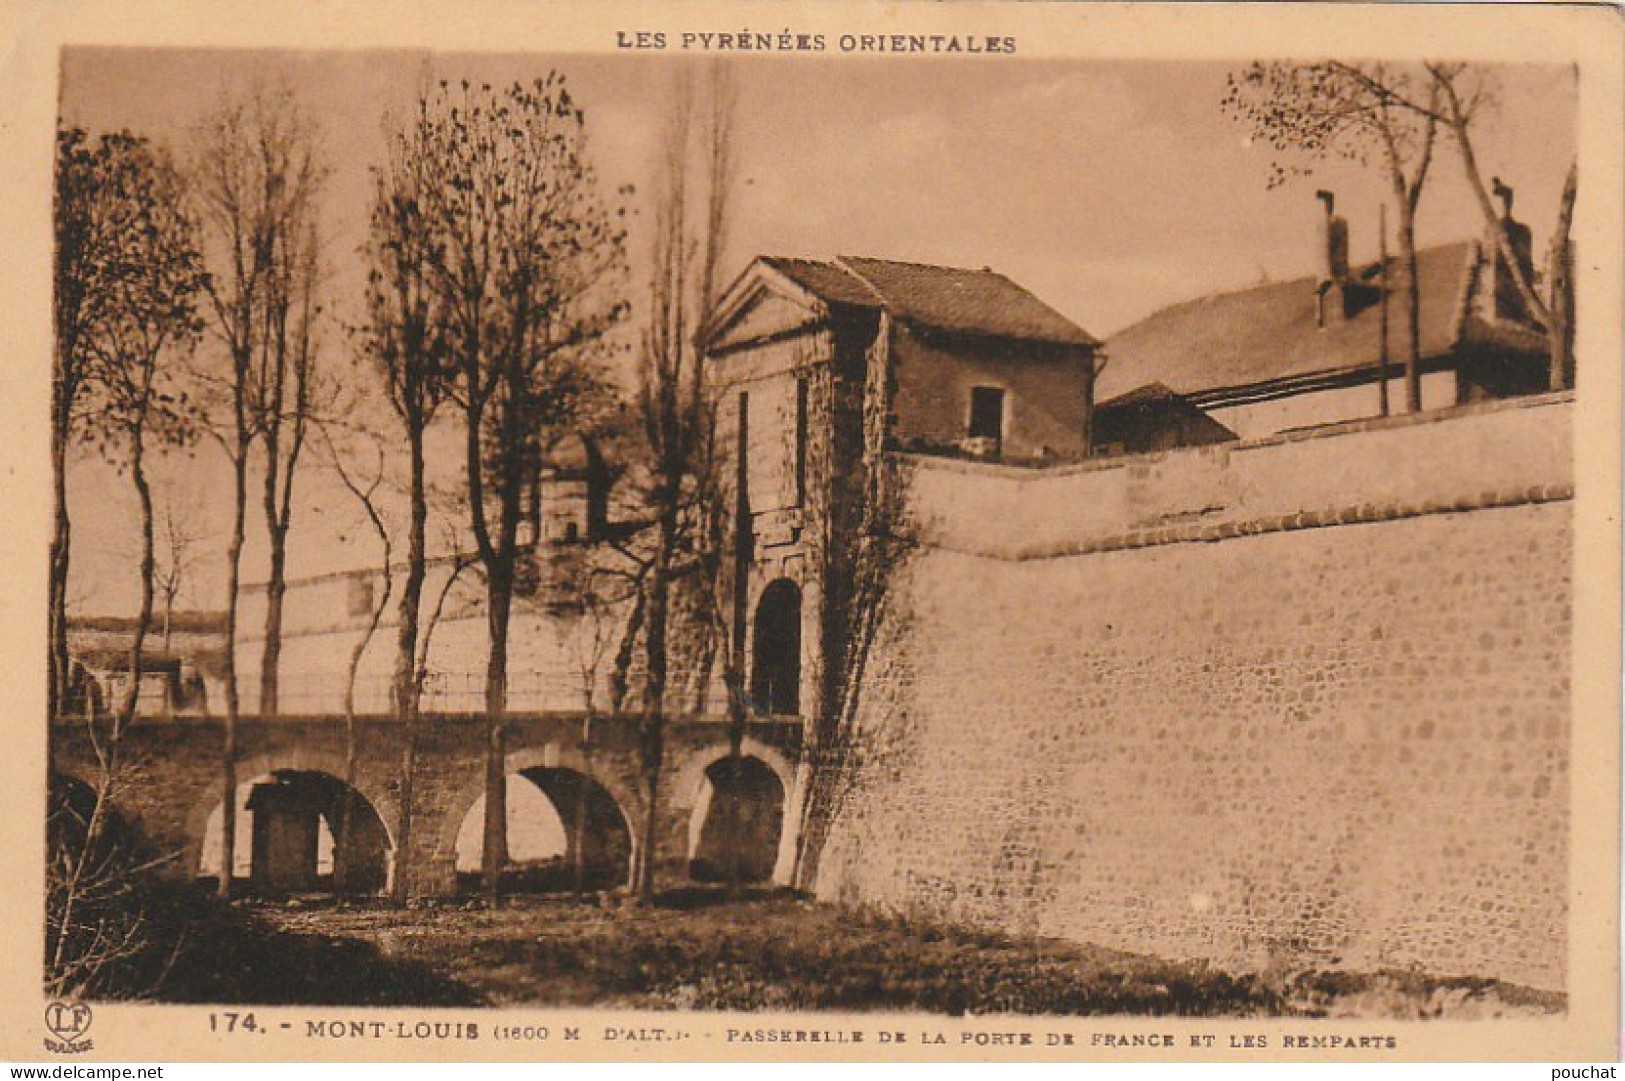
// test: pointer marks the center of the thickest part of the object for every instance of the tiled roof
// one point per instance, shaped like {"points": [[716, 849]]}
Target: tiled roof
{"points": [[976, 302], [1151, 392], [825, 281], [1269, 332]]}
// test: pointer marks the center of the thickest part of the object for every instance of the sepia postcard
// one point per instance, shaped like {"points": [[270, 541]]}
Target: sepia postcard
{"points": [[815, 531]]}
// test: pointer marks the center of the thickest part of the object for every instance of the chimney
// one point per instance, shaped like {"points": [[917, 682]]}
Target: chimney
{"points": [[1334, 253], [1507, 301], [1504, 194]]}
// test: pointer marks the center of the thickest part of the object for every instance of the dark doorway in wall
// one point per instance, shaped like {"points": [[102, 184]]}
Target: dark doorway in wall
{"points": [[775, 675]]}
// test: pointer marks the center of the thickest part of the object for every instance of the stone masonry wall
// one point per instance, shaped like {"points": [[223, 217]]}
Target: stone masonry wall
{"points": [[1304, 701], [171, 782]]}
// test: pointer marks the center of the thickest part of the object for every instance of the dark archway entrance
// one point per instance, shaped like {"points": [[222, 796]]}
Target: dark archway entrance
{"points": [[775, 674], [741, 816], [565, 833], [292, 837]]}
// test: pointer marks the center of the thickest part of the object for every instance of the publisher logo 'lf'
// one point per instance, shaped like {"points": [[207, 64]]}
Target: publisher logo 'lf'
{"points": [[68, 1022]]}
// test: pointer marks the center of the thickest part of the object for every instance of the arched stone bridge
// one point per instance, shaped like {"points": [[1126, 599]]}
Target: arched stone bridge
{"points": [[291, 795]]}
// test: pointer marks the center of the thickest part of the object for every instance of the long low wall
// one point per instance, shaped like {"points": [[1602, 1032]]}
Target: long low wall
{"points": [[1510, 451], [1304, 701]]}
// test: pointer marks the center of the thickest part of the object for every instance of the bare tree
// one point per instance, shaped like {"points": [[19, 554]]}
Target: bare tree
{"points": [[864, 556], [253, 213], [364, 488], [599, 589], [286, 385], [458, 565], [724, 553], [401, 337], [598, 597], [147, 312], [1560, 283], [692, 187], [1310, 112], [93, 214], [178, 538], [100, 938], [1313, 108], [180, 533], [136, 396], [265, 178], [1459, 92], [523, 262]]}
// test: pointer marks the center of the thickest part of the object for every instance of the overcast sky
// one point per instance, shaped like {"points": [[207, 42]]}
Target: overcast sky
{"points": [[1108, 189]]}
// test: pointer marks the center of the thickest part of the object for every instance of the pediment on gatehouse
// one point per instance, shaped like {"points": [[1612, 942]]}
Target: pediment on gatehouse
{"points": [[763, 304]]}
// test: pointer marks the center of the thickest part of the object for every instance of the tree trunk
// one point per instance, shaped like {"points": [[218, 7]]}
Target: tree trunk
{"points": [[169, 615], [620, 676], [59, 668], [494, 859], [578, 828], [1385, 302], [406, 637], [737, 720], [1413, 308], [343, 835], [1475, 180], [275, 588], [342, 861], [652, 723], [1561, 334], [138, 478], [1561, 275], [742, 548], [406, 633], [228, 753]]}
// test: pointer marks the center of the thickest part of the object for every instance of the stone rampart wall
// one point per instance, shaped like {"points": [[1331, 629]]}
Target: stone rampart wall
{"points": [[1301, 701]]}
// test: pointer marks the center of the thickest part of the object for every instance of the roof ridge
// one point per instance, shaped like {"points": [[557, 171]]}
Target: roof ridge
{"points": [[950, 299], [1221, 294], [927, 266], [794, 259], [886, 303]]}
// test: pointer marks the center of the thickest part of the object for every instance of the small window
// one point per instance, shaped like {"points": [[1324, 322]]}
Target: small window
{"points": [[987, 413], [360, 596]]}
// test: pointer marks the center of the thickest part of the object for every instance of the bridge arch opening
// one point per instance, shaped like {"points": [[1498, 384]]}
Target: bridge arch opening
{"points": [[566, 832], [775, 671], [291, 837], [737, 823]]}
